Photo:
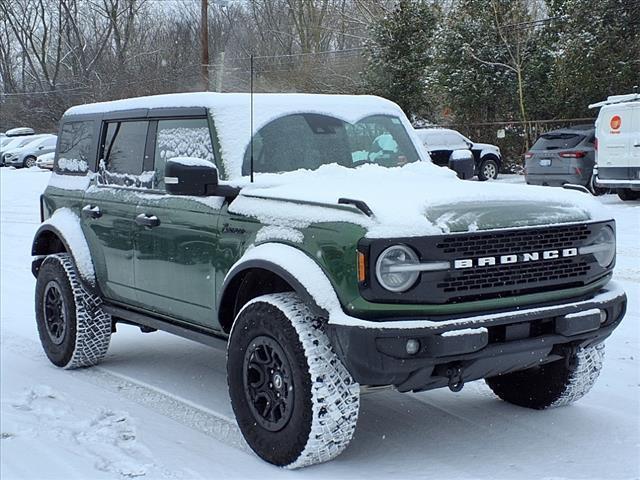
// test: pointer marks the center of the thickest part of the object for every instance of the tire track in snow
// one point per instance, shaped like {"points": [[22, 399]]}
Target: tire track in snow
{"points": [[185, 412]]}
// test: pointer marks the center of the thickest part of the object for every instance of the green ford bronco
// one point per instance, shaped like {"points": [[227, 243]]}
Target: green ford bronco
{"points": [[318, 244]]}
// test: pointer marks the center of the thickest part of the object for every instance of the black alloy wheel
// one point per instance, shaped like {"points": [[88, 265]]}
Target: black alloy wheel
{"points": [[268, 383], [55, 312]]}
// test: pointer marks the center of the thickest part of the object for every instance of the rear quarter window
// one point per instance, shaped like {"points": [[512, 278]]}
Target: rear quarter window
{"points": [[75, 147]]}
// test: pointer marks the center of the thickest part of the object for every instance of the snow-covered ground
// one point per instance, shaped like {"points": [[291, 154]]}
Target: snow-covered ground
{"points": [[158, 407]]}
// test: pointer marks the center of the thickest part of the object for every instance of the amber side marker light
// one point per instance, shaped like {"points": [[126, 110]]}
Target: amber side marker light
{"points": [[362, 268]]}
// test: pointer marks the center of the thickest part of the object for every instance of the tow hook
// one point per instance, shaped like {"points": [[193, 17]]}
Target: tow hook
{"points": [[455, 378]]}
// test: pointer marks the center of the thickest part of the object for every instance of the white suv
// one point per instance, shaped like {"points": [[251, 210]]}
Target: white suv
{"points": [[618, 145]]}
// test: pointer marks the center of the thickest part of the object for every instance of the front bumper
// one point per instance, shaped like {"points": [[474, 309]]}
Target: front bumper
{"points": [[13, 161], [483, 346]]}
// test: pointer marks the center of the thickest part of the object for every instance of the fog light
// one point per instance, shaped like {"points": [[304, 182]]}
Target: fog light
{"points": [[603, 317], [413, 346]]}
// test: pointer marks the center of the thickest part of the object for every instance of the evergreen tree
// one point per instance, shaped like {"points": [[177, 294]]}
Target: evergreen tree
{"points": [[597, 52], [399, 54]]}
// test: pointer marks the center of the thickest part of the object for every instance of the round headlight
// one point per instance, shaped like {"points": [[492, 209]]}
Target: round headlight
{"points": [[605, 246], [396, 268]]}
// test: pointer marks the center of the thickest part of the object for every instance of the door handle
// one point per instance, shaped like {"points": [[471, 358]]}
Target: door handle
{"points": [[147, 220], [91, 211]]}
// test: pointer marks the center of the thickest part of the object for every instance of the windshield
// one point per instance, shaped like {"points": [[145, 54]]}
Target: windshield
{"points": [[556, 141], [308, 141]]}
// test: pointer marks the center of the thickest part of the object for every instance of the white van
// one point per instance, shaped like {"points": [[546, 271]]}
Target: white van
{"points": [[618, 145]]}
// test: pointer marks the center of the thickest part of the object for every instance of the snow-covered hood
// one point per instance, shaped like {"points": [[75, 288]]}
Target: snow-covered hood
{"points": [[414, 200], [486, 147]]}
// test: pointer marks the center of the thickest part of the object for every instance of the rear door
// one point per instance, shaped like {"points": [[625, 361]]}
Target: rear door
{"points": [[177, 236], [617, 132], [109, 208]]}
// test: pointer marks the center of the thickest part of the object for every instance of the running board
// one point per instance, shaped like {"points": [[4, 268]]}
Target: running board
{"points": [[175, 327]]}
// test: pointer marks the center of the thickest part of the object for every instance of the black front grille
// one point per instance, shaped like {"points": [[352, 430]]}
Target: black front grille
{"points": [[526, 240], [492, 281], [514, 278]]}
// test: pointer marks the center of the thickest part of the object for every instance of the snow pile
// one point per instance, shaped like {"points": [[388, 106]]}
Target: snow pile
{"points": [[403, 200], [73, 165], [70, 182], [191, 161], [464, 331], [271, 232], [143, 180], [68, 224]]}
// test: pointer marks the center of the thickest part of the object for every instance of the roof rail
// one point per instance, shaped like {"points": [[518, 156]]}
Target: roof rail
{"points": [[631, 97]]}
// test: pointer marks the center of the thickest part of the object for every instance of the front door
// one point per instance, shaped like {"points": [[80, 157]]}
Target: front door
{"points": [[176, 236], [109, 207]]}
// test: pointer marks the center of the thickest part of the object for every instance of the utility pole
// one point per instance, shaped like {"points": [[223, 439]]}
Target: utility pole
{"points": [[220, 72], [204, 43]]}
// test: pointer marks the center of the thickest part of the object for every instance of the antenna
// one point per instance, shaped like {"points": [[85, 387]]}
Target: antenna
{"points": [[251, 114]]}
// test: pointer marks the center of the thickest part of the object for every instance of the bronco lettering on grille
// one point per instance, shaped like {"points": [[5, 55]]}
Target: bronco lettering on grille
{"points": [[515, 258]]}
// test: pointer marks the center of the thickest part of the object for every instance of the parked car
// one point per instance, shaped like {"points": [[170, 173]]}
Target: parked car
{"points": [[618, 141], [45, 160], [440, 142], [25, 155], [11, 138], [319, 274], [563, 156]]}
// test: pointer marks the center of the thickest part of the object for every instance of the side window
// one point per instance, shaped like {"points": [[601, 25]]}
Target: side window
{"points": [[74, 153], [49, 142], [123, 154], [180, 138]]}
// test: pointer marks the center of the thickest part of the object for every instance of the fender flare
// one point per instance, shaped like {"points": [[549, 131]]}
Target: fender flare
{"points": [[64, 224], [294, 266]]}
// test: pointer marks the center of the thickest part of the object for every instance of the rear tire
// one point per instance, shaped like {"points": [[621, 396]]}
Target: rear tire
{"points": [[488, 170], [552, 385], [626, 194], [73, 329], [294, 401]]}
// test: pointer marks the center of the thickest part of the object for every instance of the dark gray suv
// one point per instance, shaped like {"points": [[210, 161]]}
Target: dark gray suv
{"points": [[562, 156]]}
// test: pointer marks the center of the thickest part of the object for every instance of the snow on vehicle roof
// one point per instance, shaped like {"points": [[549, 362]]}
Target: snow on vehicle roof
{"points": [[630, 97], [434, 130], [231, 113], [15, 132]]}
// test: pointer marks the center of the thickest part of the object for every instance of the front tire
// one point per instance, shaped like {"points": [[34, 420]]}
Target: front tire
{"points": [[552, 385], [29, 162], [488, 170], [295, 402], [73, 329]]}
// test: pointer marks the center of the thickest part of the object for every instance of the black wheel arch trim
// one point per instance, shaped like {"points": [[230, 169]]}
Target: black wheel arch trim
{"points": [[258, 264], [492, 156], [40, 252]]}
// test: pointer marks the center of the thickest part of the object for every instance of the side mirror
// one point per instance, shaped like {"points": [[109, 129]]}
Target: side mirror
{"points": [[190, 176], [41, 147], [462, 162]]}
